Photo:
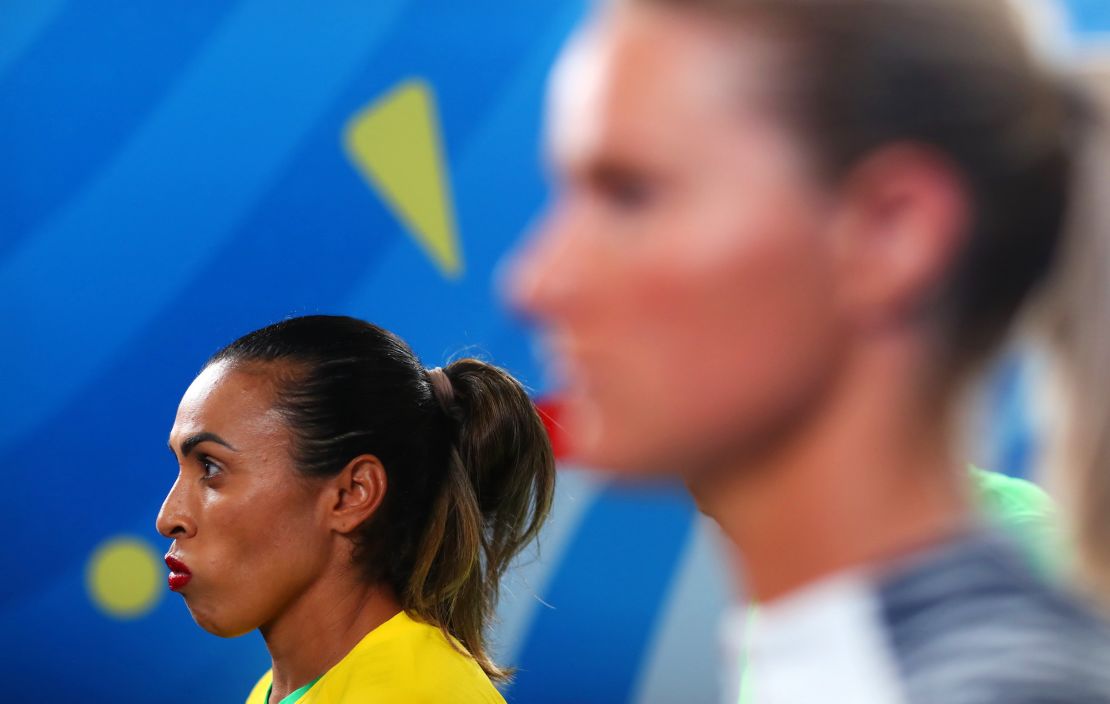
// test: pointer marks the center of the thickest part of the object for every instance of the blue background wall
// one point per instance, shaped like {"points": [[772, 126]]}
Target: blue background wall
{"points": [[172, 175]]}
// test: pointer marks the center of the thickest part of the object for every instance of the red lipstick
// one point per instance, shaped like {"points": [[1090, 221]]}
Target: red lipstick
{"points": [[179, 573]]}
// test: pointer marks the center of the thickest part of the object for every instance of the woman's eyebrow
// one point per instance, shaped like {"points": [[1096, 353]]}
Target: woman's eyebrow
{"points": [[190, 443]]}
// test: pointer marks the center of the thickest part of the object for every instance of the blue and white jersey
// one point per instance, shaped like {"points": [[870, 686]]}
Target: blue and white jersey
{"points": [[969, 622]]}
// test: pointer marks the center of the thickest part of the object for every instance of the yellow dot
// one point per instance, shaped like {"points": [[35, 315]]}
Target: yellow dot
{"points": [[124, 577]]}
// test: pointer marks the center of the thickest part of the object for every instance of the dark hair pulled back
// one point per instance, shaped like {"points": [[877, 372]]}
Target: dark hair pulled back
{"points": [[470, 470]]}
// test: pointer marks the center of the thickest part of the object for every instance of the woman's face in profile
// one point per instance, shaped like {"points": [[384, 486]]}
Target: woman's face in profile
{"points": [[681, 276], [247, 529]]}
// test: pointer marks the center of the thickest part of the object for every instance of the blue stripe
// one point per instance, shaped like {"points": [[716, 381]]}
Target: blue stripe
{"points": [[181, 186], [604, 611], [21, 22], [1090, 16], [79, 93], [1014, 436]]}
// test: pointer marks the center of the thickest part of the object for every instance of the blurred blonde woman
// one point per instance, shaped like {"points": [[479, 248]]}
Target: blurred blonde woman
{"points": [[787, 236]]}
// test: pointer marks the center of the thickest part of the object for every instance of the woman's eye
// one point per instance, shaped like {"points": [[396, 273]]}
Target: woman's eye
{"points": [[210, 468], [629, 194], [627, 190]]}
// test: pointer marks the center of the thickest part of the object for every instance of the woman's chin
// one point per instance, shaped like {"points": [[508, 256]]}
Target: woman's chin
{"points": [[218, 627]]}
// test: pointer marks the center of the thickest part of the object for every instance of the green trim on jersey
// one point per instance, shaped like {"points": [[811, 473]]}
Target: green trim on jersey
{"points": [[294, 696], [1026, 512]]}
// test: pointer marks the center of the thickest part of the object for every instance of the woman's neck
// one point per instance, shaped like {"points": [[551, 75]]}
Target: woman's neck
{"points": [[321, 626], [870, 477]]}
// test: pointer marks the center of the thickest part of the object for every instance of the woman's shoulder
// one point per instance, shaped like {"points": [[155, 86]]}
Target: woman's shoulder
{"points": [[404, 660]]}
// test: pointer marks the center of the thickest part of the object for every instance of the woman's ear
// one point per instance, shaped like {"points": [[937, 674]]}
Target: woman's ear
{"points": [[356, 493], [904, 219]]}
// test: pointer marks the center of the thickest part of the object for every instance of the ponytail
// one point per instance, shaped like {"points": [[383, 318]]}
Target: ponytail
{"points": [[497, 491], [1074, 313]]}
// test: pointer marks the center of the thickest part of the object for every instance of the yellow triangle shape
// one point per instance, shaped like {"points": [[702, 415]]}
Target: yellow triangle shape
{"points": [[395, 144]]}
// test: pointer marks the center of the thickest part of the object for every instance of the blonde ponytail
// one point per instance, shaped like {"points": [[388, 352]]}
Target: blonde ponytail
{"points": [[1075, 310]]}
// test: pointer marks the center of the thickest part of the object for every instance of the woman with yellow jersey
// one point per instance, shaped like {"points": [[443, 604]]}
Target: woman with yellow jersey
{"points": [[356, 508]]}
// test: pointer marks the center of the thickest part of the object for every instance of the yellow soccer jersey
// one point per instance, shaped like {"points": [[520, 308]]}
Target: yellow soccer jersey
{"points": [[401, 661]]}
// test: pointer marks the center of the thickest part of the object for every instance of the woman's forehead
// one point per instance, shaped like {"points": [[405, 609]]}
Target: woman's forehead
{"points": [[646, 75], [232, 400]]}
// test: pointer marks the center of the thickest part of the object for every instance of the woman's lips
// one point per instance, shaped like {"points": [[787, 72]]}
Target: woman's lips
{"points": [[179, 573]]}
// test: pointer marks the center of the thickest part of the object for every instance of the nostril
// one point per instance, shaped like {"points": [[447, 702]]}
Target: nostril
{"points": [[172, 527]]}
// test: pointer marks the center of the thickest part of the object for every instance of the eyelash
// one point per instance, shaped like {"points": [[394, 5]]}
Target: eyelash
{"points": [[205, 463]]}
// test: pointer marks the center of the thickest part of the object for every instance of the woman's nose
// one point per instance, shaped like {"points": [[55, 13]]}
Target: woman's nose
{"points": [[540, 276], [174, 519]]}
